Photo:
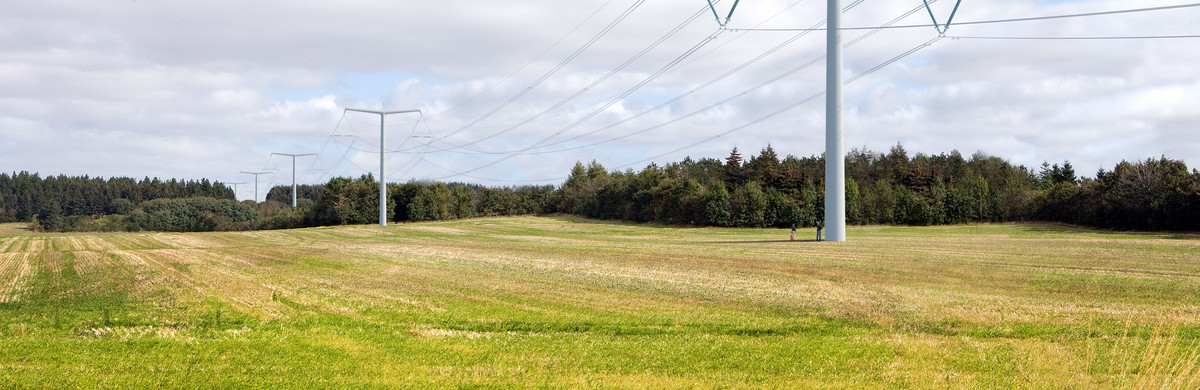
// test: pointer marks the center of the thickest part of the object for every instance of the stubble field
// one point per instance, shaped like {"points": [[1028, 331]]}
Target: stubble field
{"points": [[567, 303]]}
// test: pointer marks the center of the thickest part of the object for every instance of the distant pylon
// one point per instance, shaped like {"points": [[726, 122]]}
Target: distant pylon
{"points": [[293, 156]]}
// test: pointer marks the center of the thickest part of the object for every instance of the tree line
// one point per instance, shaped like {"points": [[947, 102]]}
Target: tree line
{"points": [[58, 203], [764, 190], [760, 190], [356, 201], [888, 188]]}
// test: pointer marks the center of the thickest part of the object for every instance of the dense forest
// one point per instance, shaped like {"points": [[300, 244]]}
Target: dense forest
{"points": [[891, 188], [761, 190], [61, 203]]}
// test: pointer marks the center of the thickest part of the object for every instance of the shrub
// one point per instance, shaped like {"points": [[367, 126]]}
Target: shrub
{"points": [[193, 215]]}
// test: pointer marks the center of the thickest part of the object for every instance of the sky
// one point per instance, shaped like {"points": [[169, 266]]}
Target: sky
{"points": [[514, 93]]}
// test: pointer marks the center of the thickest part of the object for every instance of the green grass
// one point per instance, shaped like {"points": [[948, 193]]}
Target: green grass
{"points": [[571, 303]]}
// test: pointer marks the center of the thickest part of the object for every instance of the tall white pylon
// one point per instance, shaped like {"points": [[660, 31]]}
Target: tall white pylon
{"points": [[256, 182], [835, 163], [293, 156], [235, 187], [382, 180]]}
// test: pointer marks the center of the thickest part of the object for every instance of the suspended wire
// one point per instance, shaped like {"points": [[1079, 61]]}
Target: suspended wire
{"points": [[765, 21], [756, 121], [558, 67], [722, 102], [1077, 38], [344, 154], [677, 119], [676, 98], [674, 64], [789, 107], [875, 30], [501, 126], [1027, 19], [531, 62], [430, 163], [355, 138], [408, 166], [351, 146], [419, 158], [666, 68], [600, 80], [753, 123]]}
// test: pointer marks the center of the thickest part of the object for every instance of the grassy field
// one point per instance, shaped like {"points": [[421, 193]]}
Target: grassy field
{"points": [[569, 303]]}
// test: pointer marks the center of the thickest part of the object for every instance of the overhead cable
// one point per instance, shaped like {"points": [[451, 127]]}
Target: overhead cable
{"points": [[1027, 19], [756, 121], [531, 62], [761, 85], [1077, 38], [594, 83], [789, 107], [691, 91], [562, 64]]}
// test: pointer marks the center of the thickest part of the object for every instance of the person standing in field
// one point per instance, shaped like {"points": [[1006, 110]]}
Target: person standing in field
{"points": [[793, 232], [818, 231]]}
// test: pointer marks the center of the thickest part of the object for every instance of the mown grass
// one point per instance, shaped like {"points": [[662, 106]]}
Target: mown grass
{"points": [[571, 303]]}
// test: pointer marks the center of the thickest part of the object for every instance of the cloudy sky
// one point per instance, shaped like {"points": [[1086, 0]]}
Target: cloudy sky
{"points": [[515, 92]]}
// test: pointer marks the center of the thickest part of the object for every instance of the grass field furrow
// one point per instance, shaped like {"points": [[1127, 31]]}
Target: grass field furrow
{"points": [[15, 272], [149, 276], [19, 244], [98, 244], [67, 243], [270, 238], [87, 264], [226, 282], [39, 245], [6, 243], [189, 241], [135, 241]]}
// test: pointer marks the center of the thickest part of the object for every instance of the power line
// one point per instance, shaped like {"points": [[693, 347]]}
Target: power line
{"points": [[294, 156], [878, 28], [543, 143], [791, 106], [679, 97], [756, 121], [776, 15], [661, 71], [602, 79], [1076, 38], [675, 63], [1027, 19], [531, 62], [817, 60], [761, 85], [558, 67]]}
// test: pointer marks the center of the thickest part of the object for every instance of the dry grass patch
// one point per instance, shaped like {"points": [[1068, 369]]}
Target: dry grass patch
{"points": [[15, 272]]}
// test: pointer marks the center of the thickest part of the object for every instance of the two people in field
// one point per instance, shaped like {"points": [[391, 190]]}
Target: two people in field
{"points": [[818, 231]]}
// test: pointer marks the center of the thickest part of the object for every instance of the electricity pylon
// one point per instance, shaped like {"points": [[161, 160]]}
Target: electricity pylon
{"points": [[835, 162], [256, 182], [235, 188], [293, 156], [382, 179]]}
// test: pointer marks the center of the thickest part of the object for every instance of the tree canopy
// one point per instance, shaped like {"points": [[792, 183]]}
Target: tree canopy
{"points": [[762, 190]]}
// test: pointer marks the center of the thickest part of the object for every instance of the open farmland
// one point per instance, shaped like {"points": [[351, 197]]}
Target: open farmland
{"points": [[568, 303]]}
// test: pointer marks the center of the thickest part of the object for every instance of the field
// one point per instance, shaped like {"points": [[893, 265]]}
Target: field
{"points": [[560, 302]]}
